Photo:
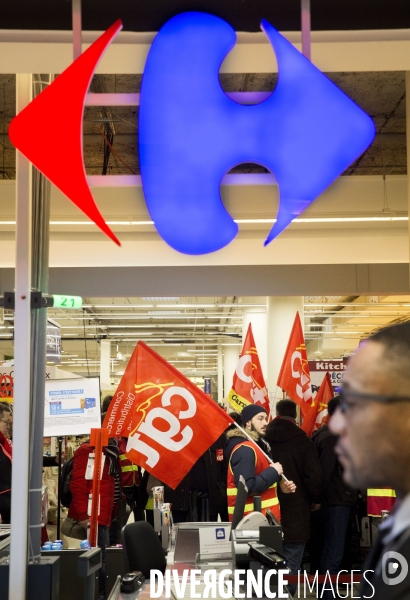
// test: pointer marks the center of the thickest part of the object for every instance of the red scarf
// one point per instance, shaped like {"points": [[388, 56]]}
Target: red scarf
{"points": [[6, 446]]}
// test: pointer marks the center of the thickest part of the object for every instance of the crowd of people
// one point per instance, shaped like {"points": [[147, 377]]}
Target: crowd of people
{"points": [[312, 502], [308, 484]]}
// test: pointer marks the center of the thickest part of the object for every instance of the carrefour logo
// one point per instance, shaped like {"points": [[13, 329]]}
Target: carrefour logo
{"points": [[307, 132]]}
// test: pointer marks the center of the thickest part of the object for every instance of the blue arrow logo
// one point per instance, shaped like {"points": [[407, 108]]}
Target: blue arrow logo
{"points": [[307, 132]]}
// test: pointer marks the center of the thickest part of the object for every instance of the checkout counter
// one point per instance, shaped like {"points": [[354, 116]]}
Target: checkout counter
{"points": [[255, 544]]}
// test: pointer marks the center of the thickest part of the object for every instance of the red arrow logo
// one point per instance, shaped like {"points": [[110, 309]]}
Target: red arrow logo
{"points": [[49, 131]]}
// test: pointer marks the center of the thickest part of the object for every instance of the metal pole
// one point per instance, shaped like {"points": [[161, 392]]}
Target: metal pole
{"points": [[76, 13], [22, 363], [305, 9], [220, 375], [408, 147], [60, 452], [40, 252]]}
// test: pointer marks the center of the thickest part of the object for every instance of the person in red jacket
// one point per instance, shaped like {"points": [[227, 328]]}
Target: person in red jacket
{"points": [[110, 493], [6, 421]]}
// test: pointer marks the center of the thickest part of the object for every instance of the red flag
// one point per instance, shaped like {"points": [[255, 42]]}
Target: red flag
{"points": [[316, 418], [118, 417], [173, 421], [248, 385], [294, 376]]}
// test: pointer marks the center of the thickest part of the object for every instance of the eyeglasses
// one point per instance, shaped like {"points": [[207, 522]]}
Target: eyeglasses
{"points": [[350, 399], [8, 423]]}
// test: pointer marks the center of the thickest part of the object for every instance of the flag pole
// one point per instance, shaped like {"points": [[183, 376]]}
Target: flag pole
{"points": [[263, 452]]}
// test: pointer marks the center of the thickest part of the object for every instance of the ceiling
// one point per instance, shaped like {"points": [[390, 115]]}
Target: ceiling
{"points": [[244, 15], [187, 331], [380, 94]]}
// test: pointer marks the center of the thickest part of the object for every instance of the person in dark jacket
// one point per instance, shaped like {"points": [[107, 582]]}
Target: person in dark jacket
{"points": [[6, 421], [337, 499], [298, 455], [201, 495], [207, 482]]}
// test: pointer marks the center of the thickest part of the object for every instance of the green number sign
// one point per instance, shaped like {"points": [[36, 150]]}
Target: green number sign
{"points": [[67, 301]]}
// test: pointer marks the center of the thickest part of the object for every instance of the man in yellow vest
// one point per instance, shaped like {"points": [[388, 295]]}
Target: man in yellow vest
{"points": [[248, 459]]}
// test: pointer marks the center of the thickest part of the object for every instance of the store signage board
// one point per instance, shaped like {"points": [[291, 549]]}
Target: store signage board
{"points": [[307, 132], [336, 369], [72, 406]]}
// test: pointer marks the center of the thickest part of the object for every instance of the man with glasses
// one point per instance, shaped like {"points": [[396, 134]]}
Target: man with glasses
{"points": [[373, 427], [5, 462]]}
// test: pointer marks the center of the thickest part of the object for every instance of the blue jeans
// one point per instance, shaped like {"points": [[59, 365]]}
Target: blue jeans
{"points": [[336, 520], [293, 552]]}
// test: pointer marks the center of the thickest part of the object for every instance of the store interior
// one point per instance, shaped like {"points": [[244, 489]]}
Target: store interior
{"points": [[342, 264], [188, 331]]}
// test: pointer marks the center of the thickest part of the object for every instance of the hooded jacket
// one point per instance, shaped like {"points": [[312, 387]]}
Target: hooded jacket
{"points": [[81, 487], [244, 461], [300, 461], [334, 491]]}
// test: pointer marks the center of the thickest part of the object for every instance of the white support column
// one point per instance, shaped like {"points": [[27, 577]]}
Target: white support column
{"points": [[77, 26], [257, 316], [408, 148], [305, 18], [220, 375], [22, 359], [281, 315], [231, 357], [105, 364]]}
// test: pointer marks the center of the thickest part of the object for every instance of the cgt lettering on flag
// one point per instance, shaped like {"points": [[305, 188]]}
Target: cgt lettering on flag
{"points": [[172, 421], [300, 372], [165, 438], [294, 375], [248, 386]]}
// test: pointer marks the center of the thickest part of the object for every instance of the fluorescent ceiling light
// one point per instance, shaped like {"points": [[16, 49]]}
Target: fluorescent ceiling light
{"points": [[162, 326], [160, 298], [255, 221], [114, 334], [353, 304]]}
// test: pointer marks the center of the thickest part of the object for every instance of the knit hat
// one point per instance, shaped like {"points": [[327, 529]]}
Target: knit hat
{"points": [[250, 411]]}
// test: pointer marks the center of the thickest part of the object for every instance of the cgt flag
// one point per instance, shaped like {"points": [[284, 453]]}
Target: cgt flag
{"points": [[173, 421], [294, 376], [118, 417], [318, 415], [248, 385]]}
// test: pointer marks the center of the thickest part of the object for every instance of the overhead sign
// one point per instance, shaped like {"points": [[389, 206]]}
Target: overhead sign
{"points": [[190, 133], [335, 368], [307, 132], [72, 406]]}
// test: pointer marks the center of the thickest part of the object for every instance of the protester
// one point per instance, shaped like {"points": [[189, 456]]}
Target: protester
{"points": [[110, 492], [130, 479], [5, 462], [201, 495], [299, 459], [248, 458], [337, 500], [207, 482], [373, 425]]}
